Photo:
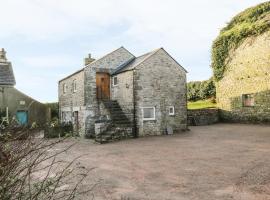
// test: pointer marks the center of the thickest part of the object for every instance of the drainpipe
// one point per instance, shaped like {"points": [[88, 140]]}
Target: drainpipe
{"points": [[134, 109]]}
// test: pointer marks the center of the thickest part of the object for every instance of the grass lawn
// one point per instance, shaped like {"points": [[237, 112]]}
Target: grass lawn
{"points": [[201, 104]]}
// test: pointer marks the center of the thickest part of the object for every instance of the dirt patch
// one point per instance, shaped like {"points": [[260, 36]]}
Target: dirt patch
{"points": [[219, 162]]}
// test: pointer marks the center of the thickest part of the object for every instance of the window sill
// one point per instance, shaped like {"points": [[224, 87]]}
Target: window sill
{"points": [[149, 119]]}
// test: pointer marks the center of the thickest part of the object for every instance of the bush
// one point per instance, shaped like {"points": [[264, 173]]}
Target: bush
{"points": [[30, 170], [56, 129]]}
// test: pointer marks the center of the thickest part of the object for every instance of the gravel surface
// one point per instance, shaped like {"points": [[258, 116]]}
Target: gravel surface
{"points": [[222, 161]]}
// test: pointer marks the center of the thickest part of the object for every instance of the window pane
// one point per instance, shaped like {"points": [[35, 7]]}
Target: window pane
{"points": [[148, 113], [248, 100], [115, 80]]}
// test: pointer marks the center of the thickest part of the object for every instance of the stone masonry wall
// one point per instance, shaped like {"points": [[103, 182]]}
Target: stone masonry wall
{"points": [[106, 64], [247, 72], [123, 93], [72, 101], [160, 82], [200, 117]]}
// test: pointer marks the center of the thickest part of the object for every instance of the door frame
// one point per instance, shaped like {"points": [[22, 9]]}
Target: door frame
{"points": [[100, 95]]}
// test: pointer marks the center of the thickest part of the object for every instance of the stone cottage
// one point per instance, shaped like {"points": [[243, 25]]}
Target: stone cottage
{"points": [[14, 105], [243, 91], [123, 95]]}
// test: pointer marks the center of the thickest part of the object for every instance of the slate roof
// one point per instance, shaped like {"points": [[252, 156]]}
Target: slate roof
{"points": [[133, 63], [6, 74], [130, 65]]}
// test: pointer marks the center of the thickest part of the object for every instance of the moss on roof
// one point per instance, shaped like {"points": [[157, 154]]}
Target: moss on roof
{"points": [[252, 22]]}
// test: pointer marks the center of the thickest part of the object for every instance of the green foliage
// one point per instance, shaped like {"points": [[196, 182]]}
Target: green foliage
{"points": [[200, 90], [252, 22], [54, 109], [201, 104], [56, 129]]}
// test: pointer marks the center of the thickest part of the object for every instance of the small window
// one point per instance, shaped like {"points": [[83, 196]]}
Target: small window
{"points": [[64, 88], [149, 113], [115, 81], [248, 100], [171, 110], [74, 86]]}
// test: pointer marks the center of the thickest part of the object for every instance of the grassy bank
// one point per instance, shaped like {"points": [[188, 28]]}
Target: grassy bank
{"points": [[201, 104]]}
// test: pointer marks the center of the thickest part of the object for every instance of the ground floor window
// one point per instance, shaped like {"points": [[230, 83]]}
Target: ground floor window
{"points": [[171, 110], [149, 113], [248, 100]]}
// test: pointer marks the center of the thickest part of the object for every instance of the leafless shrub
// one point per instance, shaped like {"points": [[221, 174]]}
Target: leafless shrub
{"points": [[30, 168]]}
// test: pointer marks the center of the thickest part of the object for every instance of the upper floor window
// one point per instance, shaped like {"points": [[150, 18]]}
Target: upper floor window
{"points": [[171, 110], [74, 86], [115, 81], [149, 113], [248, 100], [64, 88]]}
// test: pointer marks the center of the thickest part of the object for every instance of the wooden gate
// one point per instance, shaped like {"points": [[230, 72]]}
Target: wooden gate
{"points": [[103, 85]]}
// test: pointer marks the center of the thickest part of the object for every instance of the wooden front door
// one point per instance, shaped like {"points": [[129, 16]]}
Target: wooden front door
{"points": [[103, 85]]}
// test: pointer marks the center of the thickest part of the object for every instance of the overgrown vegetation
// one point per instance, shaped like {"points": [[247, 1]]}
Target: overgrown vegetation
{"points": [[252, 22], [201, 90], [56, 129], [31, 168]]}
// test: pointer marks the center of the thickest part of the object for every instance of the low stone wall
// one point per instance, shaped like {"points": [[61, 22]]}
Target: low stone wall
{"points": [[202, 117]]}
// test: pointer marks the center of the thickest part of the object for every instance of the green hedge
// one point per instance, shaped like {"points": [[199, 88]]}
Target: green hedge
{"points": [[252, 22]]}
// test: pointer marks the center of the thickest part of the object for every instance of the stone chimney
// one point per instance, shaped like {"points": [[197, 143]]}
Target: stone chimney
{"points": [[88, 60], [3, 57]]}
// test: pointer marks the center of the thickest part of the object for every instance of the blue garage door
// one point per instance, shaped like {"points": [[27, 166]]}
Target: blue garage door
{"points": [[22, 117]]}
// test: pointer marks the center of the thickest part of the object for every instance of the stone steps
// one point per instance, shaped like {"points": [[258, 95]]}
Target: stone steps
{"points": [[120, 127]]}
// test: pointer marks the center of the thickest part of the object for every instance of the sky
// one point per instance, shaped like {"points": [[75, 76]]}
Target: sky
{"points": [[47, 40]]}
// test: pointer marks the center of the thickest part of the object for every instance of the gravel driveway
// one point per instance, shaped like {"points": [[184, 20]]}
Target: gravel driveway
{"points": [[222, 161]]}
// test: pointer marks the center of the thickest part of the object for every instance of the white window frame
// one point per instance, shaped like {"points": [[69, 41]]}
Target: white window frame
{"points": [[171, 113], [149, 119], [113, 82], [74, 85], [64, 88]]}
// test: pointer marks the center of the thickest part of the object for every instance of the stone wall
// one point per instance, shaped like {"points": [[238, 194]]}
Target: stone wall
{"points": [[160, 82], [123, 93], [107, 64], [71, 101], [247, 72], [200, 117]]}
